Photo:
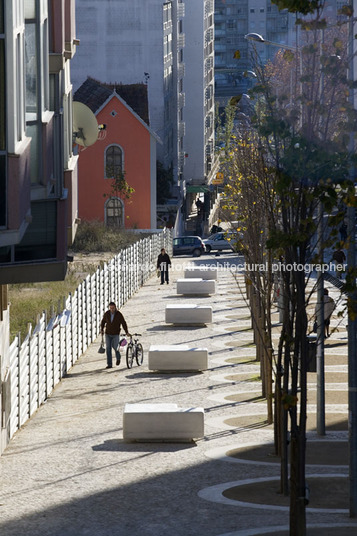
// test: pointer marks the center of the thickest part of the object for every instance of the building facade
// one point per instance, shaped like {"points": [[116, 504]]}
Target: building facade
{"points": [[38, 168], [169, 46], [199, 89], [129, 43], [233, 20], [38, 171], [126, 148]]}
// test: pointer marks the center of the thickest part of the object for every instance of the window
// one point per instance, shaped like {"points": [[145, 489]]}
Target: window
{"points": [[113, 161], [114, 212], [2, 96], [3, 196], [2, 27], [31, 68], [252, 10]]}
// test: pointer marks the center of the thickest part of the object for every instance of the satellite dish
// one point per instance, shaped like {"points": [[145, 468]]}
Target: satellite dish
{"points": [[85, 125]]}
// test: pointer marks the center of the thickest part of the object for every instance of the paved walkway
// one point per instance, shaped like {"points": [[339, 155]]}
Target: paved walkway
{"points": [[68, 472]]}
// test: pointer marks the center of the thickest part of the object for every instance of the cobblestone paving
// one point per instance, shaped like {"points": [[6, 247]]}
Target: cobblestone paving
{"points": [[68, 472]]}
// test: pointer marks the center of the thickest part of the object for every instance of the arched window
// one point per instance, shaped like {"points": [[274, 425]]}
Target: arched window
{"points": [[114, 212], [113, 161]]}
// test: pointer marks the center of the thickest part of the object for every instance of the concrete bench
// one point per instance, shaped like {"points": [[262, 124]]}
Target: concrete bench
{"points": [[195, 285], [177, 357], [162, 422], [202, 272], [188, 314]]}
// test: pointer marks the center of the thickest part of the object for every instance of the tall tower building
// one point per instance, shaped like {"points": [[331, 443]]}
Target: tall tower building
{"points": [[199, 90], [233, 20]]}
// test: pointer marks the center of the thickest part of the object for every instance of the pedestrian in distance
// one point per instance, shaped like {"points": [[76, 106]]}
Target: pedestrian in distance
{"points": [[163, 263], [112, 321], [343, 232], [199, 206], [329, 307], [340, 258]]}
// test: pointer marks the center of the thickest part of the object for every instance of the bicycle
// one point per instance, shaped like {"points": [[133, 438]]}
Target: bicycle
{"points": [[134, 349]]}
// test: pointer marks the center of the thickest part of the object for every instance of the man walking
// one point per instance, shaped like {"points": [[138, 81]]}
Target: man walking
{"points": [[163, 263], [112, 321]]}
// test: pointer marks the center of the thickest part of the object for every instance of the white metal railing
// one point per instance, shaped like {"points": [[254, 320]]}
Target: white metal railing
{"points": [[44, 357]]}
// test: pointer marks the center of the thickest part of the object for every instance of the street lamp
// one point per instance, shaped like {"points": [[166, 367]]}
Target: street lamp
{"points": [[260, 39]]}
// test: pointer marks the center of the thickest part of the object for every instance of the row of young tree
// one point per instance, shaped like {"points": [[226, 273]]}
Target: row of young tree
{"points": [[288, 163]]}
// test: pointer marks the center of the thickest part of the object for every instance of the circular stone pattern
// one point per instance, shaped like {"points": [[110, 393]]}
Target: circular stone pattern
{"points": [[325, 493], [325, 530], [317, 453]]}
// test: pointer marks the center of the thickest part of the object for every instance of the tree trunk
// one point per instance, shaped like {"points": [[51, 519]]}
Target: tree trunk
{"points": [[297, 491]]}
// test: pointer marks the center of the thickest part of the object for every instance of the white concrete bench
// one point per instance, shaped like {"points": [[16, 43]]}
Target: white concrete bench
{"points": [[203, 272], [189, 313], [177, 357], [195, 285], [162, 422]]}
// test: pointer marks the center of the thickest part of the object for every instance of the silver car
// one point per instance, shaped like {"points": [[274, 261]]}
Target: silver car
{"points": [[220, 241]]}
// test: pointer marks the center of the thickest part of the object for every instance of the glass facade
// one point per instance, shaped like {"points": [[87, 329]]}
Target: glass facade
{"points": [[2, 29], [31, 69], [2, 190], [2, 119], [2, 96], [40, 240]]}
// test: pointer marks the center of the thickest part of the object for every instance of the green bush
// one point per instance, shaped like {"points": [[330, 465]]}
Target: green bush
{"points": [[95, 237]]}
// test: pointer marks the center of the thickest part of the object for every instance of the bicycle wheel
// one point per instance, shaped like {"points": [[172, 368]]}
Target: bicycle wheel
{"points": [[129, 356], [139, 354]]}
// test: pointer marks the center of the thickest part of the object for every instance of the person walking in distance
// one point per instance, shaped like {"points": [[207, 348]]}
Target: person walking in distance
{"points": [[112, 322], [163, 263], [329, 306]]}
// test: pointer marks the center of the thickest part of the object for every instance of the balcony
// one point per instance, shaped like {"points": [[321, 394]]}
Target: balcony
{"points": [[181, 100], [180, 10], [181, 70], [181, 158], [181, 41], [181, 129]]}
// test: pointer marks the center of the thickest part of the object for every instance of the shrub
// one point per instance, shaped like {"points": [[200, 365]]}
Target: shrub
{"points": [[94, 237]]}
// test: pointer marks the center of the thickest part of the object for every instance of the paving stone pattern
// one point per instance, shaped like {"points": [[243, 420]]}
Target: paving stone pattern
{"points": [[68, 472]]}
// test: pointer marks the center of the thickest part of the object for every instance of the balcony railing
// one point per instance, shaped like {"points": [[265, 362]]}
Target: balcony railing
{"points": [[181, 41], [180, 10], [181, 100], [181, 129], [181, 70]]}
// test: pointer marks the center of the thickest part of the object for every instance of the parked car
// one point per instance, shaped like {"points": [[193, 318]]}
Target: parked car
{"points": [[188, 245], [221, 241]]}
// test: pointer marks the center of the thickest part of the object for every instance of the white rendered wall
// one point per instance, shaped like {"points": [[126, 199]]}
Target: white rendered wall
{"points": [[120, 40]]}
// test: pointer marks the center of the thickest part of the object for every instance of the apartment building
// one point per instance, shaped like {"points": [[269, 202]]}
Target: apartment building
{"points": [[38, 171], [233, 20], [199, 90]]}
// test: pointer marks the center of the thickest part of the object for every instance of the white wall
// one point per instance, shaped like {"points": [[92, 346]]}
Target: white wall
{"points": [[119, 41]]}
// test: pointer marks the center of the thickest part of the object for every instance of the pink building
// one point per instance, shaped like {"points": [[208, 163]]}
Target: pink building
{"points": [[128, 145]]}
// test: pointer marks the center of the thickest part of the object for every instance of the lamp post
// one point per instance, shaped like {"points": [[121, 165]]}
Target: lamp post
{"points": [[260, 39]]}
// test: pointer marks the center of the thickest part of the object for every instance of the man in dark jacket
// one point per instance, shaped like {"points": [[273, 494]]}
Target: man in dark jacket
{"points": [[112, 321], [163, 263]]}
